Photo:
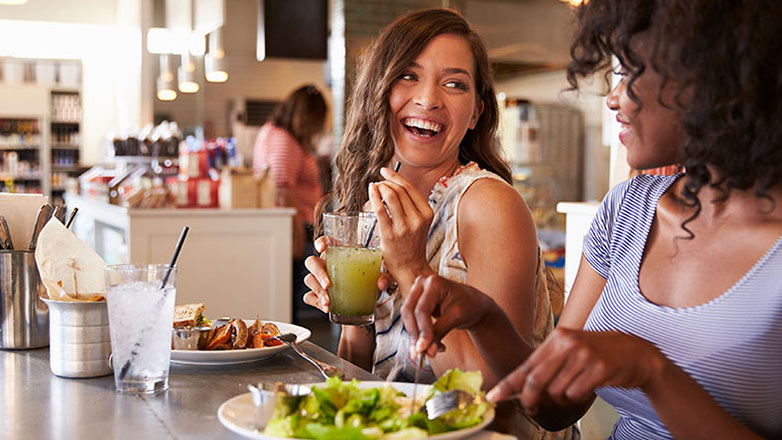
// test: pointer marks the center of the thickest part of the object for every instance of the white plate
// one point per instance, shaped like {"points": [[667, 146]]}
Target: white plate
{"points": [[238, 414], [226, 357]]}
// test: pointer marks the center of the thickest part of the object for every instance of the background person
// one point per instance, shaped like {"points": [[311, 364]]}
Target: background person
{"points": [[675, 317], [285, 145]]}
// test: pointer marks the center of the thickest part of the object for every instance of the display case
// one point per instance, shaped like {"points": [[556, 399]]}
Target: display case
{"points": [[40, 125], [20, 163]]}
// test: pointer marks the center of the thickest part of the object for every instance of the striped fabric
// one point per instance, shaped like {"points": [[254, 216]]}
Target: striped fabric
{"points": [[731, 345], [291, 166]]}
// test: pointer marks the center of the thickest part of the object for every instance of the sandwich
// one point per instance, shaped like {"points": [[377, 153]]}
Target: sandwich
{"points": [[189, 315]]}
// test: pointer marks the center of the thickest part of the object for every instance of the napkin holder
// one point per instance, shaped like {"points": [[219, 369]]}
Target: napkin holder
{"points": [[24, 318]]}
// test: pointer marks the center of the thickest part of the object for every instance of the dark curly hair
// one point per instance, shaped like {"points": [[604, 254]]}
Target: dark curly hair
{"points": [[725, 57]]}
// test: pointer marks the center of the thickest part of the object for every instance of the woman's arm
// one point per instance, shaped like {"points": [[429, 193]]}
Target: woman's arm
{"points": [[498, 244], [557, 382], [435, 306]]}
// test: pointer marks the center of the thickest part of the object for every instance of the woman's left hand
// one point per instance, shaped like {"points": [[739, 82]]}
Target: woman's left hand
{"points": [[403, 232], [570, 364]]}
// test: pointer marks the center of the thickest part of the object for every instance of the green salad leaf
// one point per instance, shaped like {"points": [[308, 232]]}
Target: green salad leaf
{"points": [[343, 411]]}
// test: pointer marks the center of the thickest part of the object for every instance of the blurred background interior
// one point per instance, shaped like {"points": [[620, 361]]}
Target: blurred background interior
{"points": [[133, 109], [145, 103]]}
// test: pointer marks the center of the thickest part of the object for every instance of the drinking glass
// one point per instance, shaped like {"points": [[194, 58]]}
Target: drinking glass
{"points": [[141, 312], [353, 260]]}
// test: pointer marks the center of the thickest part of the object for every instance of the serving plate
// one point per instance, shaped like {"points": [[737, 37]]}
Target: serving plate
{"points": [[241, 356], [238, 413]]}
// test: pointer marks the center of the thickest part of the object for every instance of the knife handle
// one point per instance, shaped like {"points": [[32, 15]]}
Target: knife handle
{"points": [[44, 214], [5, 235]]}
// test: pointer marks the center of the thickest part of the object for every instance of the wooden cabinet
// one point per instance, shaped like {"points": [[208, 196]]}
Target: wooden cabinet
{"points": [[238, 262]]}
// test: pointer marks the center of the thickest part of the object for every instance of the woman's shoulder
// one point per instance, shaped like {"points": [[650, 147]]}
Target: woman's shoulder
{"points": [[489, 201], [642, 189]]}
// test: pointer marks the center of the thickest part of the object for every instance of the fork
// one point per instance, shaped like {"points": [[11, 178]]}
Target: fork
{"points": [[325, 369], [448, 401]]}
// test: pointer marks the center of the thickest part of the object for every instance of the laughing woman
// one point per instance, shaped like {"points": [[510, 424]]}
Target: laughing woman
{"points": [[425, 98]]}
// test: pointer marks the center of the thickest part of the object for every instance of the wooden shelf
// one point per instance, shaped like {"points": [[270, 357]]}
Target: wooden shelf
{"points": [[63, 146], [34, 176], [18, 147]]}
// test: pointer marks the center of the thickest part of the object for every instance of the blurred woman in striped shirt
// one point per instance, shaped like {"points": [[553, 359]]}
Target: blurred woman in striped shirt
{"points": [[285, 146]]}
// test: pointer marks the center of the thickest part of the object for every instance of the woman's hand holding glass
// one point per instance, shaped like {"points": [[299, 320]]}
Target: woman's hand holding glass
{"points": [[403, 219], [318, 279]]}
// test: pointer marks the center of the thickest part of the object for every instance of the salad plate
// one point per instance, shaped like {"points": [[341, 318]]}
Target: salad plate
{"points": [[240, 356], [238, 413]]}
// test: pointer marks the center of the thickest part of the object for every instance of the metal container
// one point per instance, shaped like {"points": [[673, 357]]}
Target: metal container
{"points": [[24, 318], [80, 343]]}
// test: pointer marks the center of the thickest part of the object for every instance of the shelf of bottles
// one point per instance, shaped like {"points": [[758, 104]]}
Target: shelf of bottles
{"points": [[66, 112], [20, 140]]}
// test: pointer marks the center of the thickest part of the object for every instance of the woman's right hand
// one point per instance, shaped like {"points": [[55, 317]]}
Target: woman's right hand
{"points": [[318, 279], [435, 306]]}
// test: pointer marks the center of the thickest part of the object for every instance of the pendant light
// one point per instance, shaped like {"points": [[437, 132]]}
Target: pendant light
{"points": [[186, 74], [165, 82], [214, 60]]}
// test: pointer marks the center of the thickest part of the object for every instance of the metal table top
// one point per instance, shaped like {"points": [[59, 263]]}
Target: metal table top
{"points": [[36, 404]]}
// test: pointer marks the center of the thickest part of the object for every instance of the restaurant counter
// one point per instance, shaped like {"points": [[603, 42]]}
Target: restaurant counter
{"points": [[238, 262], [38, 405]]}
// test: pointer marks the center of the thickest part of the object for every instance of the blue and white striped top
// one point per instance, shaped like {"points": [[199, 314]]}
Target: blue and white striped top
{"points": [[731, 345]]}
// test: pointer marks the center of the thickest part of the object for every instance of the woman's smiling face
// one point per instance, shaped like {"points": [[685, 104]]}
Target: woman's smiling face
{"points": [[433, 103], [651, 132]]}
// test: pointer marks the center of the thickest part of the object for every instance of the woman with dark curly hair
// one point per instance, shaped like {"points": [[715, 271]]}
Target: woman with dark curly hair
{"points": [[675, 317]]}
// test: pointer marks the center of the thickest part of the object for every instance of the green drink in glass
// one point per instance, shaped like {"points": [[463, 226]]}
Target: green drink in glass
{"points": [[353, 261]]}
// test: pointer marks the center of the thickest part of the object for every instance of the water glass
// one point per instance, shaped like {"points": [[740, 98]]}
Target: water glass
{"points": [[141, 312], [353, 261]]}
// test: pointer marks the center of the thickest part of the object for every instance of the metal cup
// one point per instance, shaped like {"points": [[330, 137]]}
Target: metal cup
{"points": [[80, 339], [24, 318], [266, 394]]}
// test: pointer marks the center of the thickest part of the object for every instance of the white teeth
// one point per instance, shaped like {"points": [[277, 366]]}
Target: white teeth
{"points": [[423, 124]]}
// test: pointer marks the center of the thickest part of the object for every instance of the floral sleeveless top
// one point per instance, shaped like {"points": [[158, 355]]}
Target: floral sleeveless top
{"points": [[392, 360]]}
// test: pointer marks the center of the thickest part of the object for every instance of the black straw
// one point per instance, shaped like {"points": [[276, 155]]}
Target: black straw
{"points": [[174, 257], [134, 351], [374, 223]]}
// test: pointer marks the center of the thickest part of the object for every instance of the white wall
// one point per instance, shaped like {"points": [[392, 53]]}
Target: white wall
{"points": [[106, 35], [549, 88], [109, 55], [63, 11]]}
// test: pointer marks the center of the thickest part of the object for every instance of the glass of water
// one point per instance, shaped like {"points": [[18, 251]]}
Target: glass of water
{"points": [[141, 311]]}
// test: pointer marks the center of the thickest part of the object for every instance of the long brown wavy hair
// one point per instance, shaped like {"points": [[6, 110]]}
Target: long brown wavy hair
{"points": [[367, 145], [725, 58], [302, 114]]}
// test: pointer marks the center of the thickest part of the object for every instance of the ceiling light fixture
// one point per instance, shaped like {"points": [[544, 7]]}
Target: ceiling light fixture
{"points": [[186, 74], [214, 61], [165, 82], [575, 2]]}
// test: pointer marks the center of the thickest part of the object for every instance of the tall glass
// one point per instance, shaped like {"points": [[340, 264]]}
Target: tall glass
{"points": [[141, 312], [353, 260]]}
